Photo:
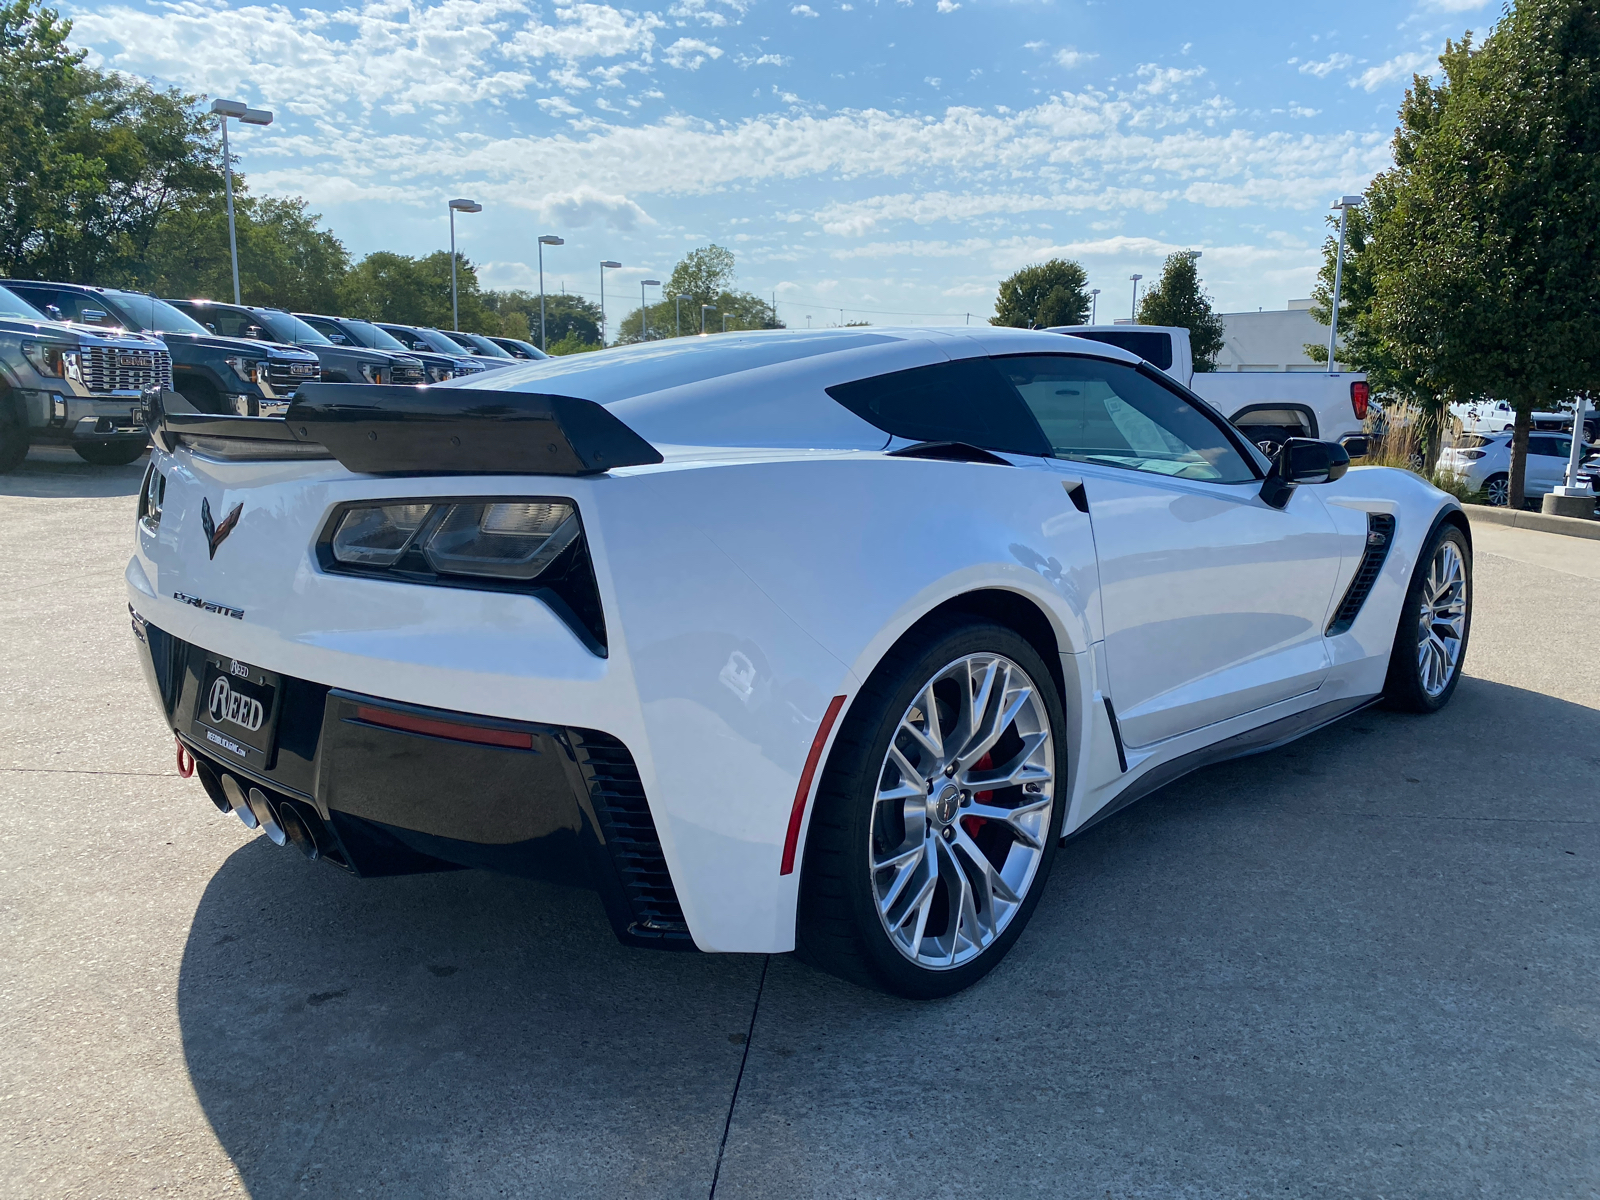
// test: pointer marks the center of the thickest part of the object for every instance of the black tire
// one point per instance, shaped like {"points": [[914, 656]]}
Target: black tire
{"points": [[839, 929], [111, 452], [1405, 688], [13, 433], [1497, 490]]}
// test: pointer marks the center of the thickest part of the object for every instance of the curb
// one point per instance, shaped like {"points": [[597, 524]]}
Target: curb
{"points": [[1544, 523]]}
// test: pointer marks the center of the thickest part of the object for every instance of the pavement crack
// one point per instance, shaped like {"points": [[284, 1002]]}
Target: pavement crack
{"points": [[749, 1037]]}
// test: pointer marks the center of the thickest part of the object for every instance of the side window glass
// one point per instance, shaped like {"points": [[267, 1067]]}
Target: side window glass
{"points": [[1105, 412], [230, 323], [962, 401]]}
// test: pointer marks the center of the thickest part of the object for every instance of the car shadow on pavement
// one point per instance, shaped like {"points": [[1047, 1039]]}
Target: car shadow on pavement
{"points": [[459, 1033], [1361, 963], [51, 471]]}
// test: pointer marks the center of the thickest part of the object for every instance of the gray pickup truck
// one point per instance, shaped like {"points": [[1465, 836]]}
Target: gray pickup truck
{"points": [[70, 384]]}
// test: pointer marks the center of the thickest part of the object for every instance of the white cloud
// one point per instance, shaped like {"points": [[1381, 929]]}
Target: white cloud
{"points": [[1334, 62], [1160, 80], [585, 206], [804, 10], [1401, 66], [687, 54], [377, 52], [947, 6], [1034, 45], [1073, 58]]}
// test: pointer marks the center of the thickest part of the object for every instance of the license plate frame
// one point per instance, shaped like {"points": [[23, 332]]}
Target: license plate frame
{"points": [[223, 717]]}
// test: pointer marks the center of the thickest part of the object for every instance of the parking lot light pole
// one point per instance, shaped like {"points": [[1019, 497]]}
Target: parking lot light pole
{"points": [[1094, 303], [1134, 313], [603, 266], [545, 239], [644, 308], [704, 309], [466, 206], [250, 116], [677, 316], [1342, 206]]}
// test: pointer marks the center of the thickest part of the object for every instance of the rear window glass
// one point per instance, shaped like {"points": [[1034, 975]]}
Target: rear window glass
{"points": [[1154, 348], [1473, 440], [964, 401]]}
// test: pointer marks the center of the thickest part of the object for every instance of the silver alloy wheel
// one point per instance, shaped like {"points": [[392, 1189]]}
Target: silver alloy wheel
{"points": [[1442, 619], [1498, 492], [962, 810]]}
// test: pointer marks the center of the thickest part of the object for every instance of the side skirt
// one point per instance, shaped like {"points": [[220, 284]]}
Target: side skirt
{"points": [[1266, 737]]}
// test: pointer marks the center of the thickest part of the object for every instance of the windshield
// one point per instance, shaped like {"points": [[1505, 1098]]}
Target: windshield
{"points": [[149, 315], [13, 305], [475, 343], [431, 339], [284, 327], [367, 334]]}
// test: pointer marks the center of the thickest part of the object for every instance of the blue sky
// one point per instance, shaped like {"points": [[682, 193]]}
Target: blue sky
{"points": [[890, 158]]}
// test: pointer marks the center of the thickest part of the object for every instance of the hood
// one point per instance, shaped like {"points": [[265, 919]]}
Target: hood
{"points": [[250, 346], [83, 335]]}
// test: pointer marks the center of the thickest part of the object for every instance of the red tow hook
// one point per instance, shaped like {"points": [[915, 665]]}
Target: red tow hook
{"points": [[185, 759]]}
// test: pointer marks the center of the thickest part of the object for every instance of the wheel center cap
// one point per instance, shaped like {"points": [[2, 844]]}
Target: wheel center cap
{"points": [[945, 807]]}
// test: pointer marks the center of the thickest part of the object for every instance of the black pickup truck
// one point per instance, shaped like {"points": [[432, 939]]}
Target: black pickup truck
{"points": [[215, 374], [340, 363]]}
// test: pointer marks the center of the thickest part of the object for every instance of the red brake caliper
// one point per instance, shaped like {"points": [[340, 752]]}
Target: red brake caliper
{"points": [[973, 824]]}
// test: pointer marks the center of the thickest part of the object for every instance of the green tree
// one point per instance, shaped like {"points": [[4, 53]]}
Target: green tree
{"points": [[565, 315], [90, 163], [1177, 299], [1042, 295], [286, 259], [703, 276], [1484, 248]]}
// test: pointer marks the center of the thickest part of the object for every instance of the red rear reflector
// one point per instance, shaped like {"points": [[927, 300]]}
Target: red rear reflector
{"points": [[803, 792], [516, 739], [1359, 392]]}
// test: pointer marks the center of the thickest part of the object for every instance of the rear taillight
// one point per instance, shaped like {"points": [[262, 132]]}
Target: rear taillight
{"points": [[1358, 398]]}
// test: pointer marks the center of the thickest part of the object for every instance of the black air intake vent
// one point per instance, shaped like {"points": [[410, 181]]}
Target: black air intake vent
{"points": [[1380, 536], [630, 836]]}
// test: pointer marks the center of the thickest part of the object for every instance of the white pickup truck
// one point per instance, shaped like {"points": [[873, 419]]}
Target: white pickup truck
{"points": [[1268, 405]]}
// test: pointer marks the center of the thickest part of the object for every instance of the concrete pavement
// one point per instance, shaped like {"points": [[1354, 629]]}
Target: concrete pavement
{"points": [[1366, 965]]}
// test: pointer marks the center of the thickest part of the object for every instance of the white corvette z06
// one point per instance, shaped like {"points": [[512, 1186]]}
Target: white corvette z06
{"points": [[817, 641]]}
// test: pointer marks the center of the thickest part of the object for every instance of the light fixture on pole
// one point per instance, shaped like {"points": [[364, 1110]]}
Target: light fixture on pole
{"points": [[250, 116], [677, 316], [644, 308], [603, 266], [704, 309], [1135, 313], [1342, 205], [545, 239], [466, 206], [1094, 303]]}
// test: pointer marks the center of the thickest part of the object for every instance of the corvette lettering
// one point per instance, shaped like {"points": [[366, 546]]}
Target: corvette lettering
{"points": [[225, 704], [212, 606]]}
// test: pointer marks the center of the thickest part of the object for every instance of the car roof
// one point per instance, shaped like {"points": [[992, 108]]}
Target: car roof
{"points": [[763, 387]]}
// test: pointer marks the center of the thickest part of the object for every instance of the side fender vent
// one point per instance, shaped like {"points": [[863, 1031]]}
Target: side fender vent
{"points": [[623, 814], [1380, 536]]}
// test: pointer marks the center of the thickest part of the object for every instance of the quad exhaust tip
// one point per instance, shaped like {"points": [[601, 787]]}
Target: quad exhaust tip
{"points": [[284, 823]]}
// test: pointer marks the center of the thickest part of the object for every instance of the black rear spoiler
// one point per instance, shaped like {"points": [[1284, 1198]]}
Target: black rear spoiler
{"points": [[379, 429]]}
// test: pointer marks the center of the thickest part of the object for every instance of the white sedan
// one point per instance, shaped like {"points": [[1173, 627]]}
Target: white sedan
{"points": [[783, 640], [1483, 460]]}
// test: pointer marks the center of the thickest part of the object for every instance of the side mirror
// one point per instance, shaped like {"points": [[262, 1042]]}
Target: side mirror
{"points": [[1303, 460], [211, 327], [1356, 445], [338, 339], [92, 316], [53, 312]]}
